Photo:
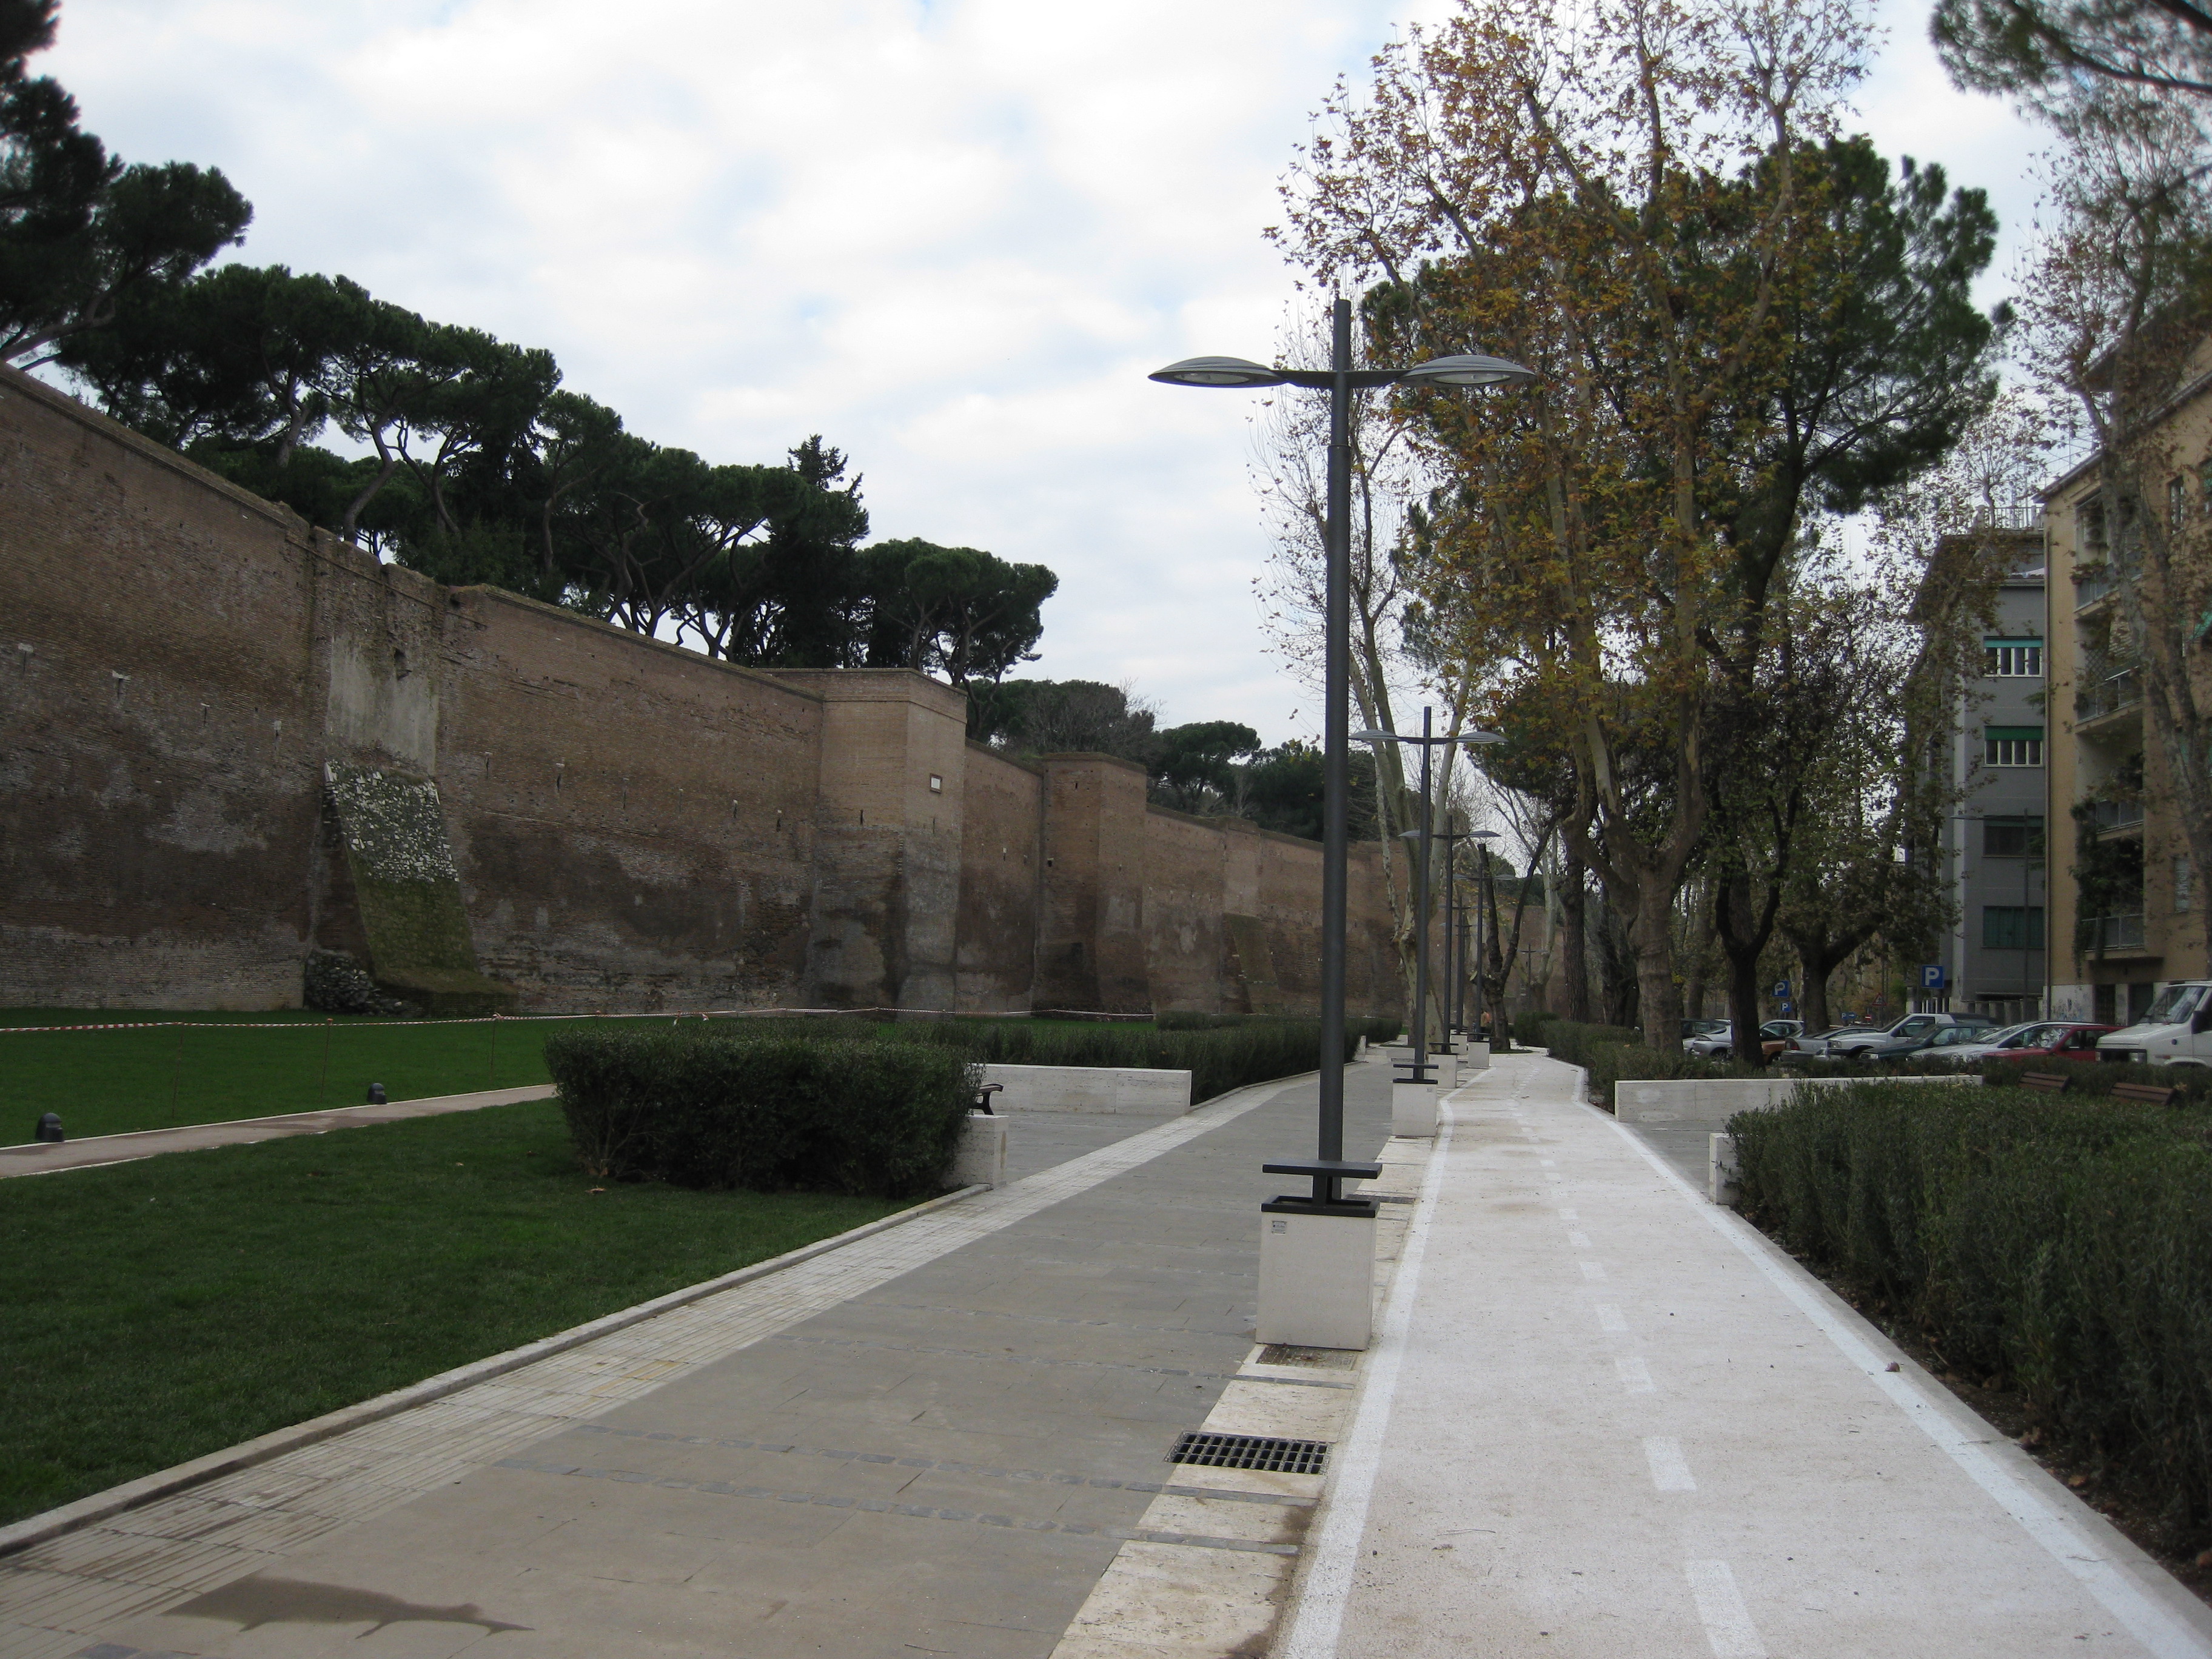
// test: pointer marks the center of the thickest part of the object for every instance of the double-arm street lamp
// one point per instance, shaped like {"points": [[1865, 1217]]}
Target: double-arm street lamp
{"points": [[1456, 953], [1422, 838], [1341, 379]]}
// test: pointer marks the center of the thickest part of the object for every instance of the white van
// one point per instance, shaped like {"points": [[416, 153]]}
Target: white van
{"points": [[2175, 1031]]}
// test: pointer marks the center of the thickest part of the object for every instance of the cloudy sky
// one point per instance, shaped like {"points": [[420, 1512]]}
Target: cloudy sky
{"points": [[950, 236]]}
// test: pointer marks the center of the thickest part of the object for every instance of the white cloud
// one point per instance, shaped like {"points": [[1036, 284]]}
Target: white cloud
{"points": [[950, 236]]}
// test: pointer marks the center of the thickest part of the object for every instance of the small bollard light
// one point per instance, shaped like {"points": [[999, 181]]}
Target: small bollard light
{"points": [[50, 1129], [376, 1094]]}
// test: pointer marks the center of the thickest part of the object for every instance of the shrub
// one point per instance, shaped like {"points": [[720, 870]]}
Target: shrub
{"points": [[1528, 1026], [2066, 1246], [716, 1106], [2192, 1085]]}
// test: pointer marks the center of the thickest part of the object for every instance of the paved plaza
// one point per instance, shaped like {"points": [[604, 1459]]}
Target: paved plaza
{"points": [[1601, 1417]]}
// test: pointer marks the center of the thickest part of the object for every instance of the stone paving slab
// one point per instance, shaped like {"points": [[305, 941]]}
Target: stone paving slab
{"points": [[1606, 1417], [715, 1480]]}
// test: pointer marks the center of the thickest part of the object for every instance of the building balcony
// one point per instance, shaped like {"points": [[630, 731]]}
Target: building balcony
{"points": [[2118, 936], [2108, 700], [2116, 816]]}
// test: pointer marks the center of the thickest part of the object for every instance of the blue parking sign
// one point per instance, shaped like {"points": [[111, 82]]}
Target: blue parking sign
{"points": [[1931, 976]]}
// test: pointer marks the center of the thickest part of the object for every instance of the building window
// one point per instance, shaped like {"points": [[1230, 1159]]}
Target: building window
{"points": [[2012, 927], [2013, 659], [2011, 838], [2185, 884], [2012, 745]]}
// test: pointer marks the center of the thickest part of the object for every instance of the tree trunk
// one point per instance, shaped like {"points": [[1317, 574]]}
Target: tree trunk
{"points": [[1652, 933], [1574, 908], [1616, 966]]}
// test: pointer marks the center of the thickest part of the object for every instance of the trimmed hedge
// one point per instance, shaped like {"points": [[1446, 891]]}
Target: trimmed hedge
{"points": [[702, 1105], [2192, 1085], [2065, 1246], [1528, 1026]]}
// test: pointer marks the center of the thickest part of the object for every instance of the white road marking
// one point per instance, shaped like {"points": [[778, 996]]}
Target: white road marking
{"points": [[2159, 1630], [1593, 1271], [1635, 1374], [1609, 1319], [1327, 1586], [1580, 1241], [1549, 1163], [1727, 1621], [1670, 1471], [1570, 1215]]}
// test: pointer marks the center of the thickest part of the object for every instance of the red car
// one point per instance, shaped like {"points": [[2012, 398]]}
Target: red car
{"points": [[2056, 1041]]}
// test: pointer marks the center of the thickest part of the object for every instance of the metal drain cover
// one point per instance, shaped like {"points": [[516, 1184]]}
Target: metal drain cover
{"points": [[1251, 1451]]}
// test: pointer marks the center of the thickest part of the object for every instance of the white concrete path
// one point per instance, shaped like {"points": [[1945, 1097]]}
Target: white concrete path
{"points": [[1607, 1418]]}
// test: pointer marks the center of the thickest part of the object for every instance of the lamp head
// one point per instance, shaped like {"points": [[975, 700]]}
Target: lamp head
{"points": [[1370, 736], [1475, 734], [1215, 371], [1469, 369]]}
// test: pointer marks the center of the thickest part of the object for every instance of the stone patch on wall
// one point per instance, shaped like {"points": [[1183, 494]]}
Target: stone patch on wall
{"points": [[407, 891]]}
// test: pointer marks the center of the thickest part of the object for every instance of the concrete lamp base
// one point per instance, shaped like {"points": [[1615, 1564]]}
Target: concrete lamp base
{"points": [[1447, 1073], [1413, 1110], [1477, 1058], [980, 1160], [1316, 1276]]}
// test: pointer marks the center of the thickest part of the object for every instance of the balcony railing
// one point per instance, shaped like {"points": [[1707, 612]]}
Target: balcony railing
{"points": [[2117, 814], [2027, 516], [2107, 691], [2117, 933]]}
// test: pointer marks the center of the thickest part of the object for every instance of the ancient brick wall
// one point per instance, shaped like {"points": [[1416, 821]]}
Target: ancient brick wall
{"points": [[1185, 862], [159, 733], [632, 825], [1000, 862]]}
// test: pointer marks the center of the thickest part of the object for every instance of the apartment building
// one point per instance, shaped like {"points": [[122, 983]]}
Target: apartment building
{"points": [[2126, 911], [1998, 954]]}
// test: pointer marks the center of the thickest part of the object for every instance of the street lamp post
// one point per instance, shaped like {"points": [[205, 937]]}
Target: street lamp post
{"points": [[1455, 954], [1423, 837], [1341, 379], [1328, 1170]]}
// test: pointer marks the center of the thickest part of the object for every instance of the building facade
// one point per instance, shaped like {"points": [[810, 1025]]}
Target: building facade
{"points": [[1995, 838]]}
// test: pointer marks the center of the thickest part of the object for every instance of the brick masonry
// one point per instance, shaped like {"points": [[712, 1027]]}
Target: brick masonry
{"points": [[635, 825]]}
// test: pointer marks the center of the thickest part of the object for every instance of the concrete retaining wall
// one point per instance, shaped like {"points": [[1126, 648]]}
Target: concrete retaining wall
{"points": [[1715, 1100], [1137, 1093]]}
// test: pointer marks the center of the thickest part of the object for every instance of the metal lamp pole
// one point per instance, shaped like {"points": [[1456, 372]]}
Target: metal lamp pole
{"points": [[1341, 379]]}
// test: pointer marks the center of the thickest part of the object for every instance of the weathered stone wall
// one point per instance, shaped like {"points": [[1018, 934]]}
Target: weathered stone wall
{"points": [[160, 735], [1001, 830], [632, 825], [1185, 872]]}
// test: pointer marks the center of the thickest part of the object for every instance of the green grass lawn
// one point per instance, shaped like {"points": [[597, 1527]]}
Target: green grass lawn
{"points": [[160, 1309], [104, 1082], [108, 1082]]}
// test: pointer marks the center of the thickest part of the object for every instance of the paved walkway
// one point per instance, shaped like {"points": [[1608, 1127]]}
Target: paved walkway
{"points": [[1609, 1419], [34, 1158], [933, 1441], [1603, 1419]]}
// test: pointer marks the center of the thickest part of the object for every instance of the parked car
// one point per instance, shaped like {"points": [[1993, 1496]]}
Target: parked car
{"points": [[1720, 1043], [1697, 1028], [1935, 1041], [1980, 1045], [1846, 1045], [2062, 1040], [2175, 1031], [1812, 1045]]}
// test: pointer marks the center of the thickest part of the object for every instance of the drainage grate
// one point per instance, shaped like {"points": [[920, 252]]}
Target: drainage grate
{"points": [[1251, 1451]]}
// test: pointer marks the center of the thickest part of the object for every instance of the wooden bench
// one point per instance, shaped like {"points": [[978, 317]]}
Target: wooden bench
{"points": [[2049, 1083], [2149, 1093]]}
